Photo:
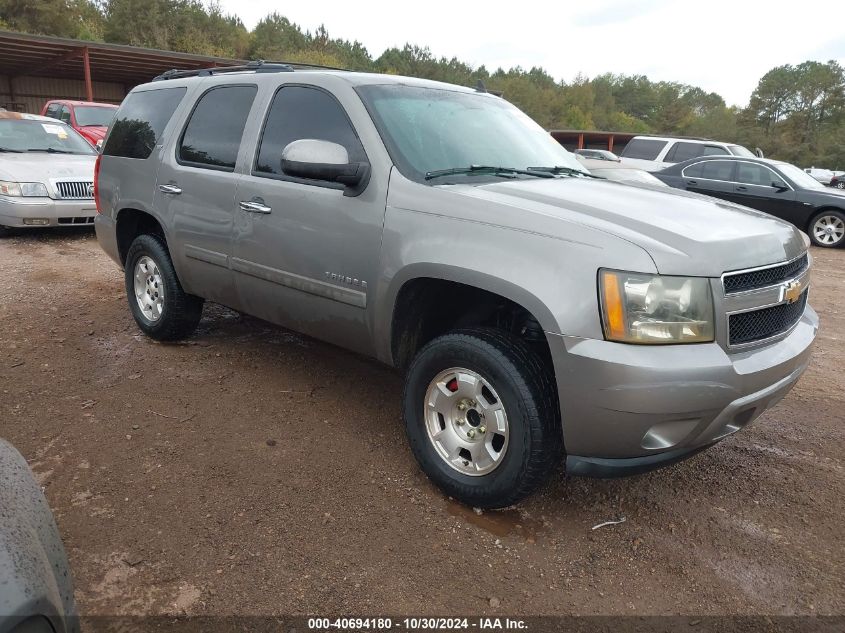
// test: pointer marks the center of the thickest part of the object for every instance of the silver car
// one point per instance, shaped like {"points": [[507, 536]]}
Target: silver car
{"points": [[46, 173], [537, 313]]}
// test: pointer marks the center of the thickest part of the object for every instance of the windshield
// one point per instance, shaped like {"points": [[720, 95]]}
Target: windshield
{"points": [[800, 178], [629, 175], [29, 135], [739, 150], [430, 129], [93, 115]]}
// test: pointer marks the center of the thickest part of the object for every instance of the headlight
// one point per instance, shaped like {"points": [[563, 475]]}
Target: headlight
{"points": [[638, 308], [27, 189]]}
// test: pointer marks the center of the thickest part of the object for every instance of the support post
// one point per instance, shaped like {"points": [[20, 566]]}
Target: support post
{"points": [[610, 143], [86, 62], [581, 141]]}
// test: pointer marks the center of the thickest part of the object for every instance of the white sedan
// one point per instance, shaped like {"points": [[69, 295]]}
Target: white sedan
{"points": [[46, 173]]}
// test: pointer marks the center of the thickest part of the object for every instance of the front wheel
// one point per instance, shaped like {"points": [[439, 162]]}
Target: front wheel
{"points": [[840, 184], [481, 415], [160, 307], [827, 229]]}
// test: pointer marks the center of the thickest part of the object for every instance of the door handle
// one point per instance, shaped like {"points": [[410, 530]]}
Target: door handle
{"points": [[256, 205], [692, 182], [741, 188], [172, 189]]}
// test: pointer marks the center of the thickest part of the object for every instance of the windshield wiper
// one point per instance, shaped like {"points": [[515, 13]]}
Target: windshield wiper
{"points": [[486, 169], [52, 150], [560, 170], [7, 149]]}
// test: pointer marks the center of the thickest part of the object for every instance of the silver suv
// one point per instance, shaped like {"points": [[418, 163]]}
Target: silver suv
{"points": [[536, 312]]}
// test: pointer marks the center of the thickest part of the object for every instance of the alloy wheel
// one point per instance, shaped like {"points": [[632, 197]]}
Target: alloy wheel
{"points": [[149, 288], [466, 421]]}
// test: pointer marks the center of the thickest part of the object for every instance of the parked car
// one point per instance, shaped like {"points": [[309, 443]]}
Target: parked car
{"points": [[654, 153], [775, 187], [597, 154], [824, 176], [89, 118], [533, 309], [46, 173], [621, 173], [838, 181], [36, 587]]}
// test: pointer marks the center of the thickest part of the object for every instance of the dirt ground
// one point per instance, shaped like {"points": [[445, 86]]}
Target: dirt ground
{"points": [[253, 471]]}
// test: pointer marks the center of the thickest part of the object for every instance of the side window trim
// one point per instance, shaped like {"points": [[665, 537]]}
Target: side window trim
{"points": [[178, 145], [667, 158], [283, 177]]}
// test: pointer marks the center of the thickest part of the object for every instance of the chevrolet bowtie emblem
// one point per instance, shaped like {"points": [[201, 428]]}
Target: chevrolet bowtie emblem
{"points": [[792, 291]]}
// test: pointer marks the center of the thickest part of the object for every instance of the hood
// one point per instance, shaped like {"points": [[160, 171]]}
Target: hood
{"points": [[43, 167], [837, 196], [685, 234], [93, 133]]}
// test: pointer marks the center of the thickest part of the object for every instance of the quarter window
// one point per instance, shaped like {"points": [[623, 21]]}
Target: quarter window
{"points": [[301, 112], [213, 134], [644, 148], [53, 110], [714, 150], [140, 122]]}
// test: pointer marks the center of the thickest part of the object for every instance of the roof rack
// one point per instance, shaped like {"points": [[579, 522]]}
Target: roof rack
{"points": [[257, 66]]}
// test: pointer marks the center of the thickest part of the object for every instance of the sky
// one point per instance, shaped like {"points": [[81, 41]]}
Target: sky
{"points": [[722, 46]]}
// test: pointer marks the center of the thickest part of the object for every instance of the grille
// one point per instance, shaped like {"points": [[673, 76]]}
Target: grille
{"points": [[75, 190], [747, 327], [739, 282]]}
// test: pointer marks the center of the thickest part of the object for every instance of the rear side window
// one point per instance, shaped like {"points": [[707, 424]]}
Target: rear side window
{"points": [[141, 120], [714, 150], [300, 112], [64, 115], [213, 134], [644, 148], [717, 170], [53, 110], [682, 151]]}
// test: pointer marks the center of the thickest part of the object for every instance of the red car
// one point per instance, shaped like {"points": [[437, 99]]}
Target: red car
{"points": [[89, 118]]}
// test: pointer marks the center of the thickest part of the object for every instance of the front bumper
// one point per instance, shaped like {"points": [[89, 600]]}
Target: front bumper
{"points": [[21, 212], [632, 408]]}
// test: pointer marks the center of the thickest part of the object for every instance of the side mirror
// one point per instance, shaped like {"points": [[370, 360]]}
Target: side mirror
{"points": [[316, 159], [779, 185]]}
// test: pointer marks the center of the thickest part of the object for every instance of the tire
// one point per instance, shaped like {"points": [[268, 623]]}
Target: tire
{"points": [[519, 381], [840, 184], [5, 231], [827, 229], [173, 313]]}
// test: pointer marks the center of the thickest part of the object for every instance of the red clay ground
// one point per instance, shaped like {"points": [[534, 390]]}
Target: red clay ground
{"points": [[156, 461]]}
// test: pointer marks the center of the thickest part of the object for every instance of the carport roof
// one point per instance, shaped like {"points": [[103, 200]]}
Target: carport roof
{"points": [[43, 56]]}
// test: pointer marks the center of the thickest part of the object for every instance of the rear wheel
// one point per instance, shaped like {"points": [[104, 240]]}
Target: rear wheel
{"points": [[481, 415], [840, 184], [827, 229], [161, 308]]}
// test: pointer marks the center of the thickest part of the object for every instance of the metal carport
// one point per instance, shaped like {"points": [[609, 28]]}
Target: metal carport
{"points": [[35, 68]]}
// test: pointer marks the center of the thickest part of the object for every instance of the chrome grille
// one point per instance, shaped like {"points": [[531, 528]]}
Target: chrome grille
{"points": [[757, 325], [75, 189], [763, 277]]}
